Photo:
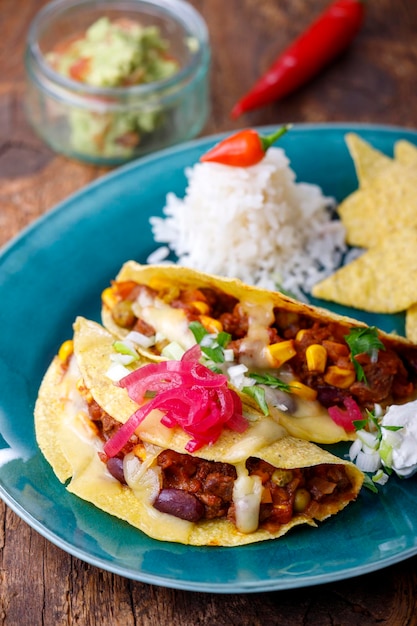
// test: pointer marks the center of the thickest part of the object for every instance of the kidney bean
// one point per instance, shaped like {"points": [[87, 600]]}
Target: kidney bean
{"points": [[115, 467], [329, 396], [180, 504]]}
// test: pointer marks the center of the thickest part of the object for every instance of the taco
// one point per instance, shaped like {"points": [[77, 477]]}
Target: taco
{"points": [[320, 371], [249, 484]]}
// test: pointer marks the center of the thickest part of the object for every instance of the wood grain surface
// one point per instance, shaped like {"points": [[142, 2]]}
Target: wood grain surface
{"points": [[375, 81]]}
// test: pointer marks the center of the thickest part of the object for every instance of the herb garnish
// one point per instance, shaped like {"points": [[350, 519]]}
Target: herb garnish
{"points": [[258, 393], [212, 346], [271, 381], [363, 340]]}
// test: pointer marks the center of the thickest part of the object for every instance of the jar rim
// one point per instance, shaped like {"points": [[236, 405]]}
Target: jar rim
{"points": [[177, 10]]}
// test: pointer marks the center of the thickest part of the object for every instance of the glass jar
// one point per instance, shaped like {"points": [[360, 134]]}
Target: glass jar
{"points": [[112, 125]]}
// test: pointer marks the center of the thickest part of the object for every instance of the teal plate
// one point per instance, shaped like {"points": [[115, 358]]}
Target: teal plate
{"points": [[55, 270]]}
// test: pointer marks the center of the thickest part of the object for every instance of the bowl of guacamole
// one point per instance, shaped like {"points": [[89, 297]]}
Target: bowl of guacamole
{"points": [[109, 82]]}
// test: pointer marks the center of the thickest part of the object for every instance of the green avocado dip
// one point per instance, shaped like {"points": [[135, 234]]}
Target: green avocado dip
{"points": [[111, 54]]}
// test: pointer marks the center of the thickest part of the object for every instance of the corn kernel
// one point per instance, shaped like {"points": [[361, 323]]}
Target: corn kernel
{"points": [[316, 357], [339, 376], [302, 391], [281, 352], [108, 297], [300, 334], [201, 306], [65, 351], [210, 324]]}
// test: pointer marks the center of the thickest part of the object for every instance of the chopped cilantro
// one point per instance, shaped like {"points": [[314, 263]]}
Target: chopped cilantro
{"points": [[271, 381], [363, 340], [258, 394], [212, 346]]}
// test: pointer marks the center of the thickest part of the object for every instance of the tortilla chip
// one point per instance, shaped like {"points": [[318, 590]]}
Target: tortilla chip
{"points": [[411, 323], [369, 162], [382, 280], [387, 196], [406, 153], [387, 204]]}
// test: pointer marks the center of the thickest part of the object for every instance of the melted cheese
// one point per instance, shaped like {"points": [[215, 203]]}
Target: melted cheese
{"points": [[262, 433], [170, 323], [247, 494], [252, 351]]}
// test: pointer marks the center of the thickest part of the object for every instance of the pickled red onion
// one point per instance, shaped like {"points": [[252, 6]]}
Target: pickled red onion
{"points": [[345, 418], [191, 397], [158, 376]]}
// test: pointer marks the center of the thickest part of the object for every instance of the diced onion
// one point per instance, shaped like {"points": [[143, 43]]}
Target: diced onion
{"points": [[124, 359], [237, 370], [207, 340], [173, 351], [368, 462], [354, 449], [116, 372], [140, 339], [229, 355], [369, 440]]}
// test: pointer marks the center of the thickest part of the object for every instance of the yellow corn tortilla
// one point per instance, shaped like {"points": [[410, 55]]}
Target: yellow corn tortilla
{"points": [[71, 447], [312, 422]]}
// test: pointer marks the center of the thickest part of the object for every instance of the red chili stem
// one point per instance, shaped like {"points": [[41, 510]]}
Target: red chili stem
{"points": [[268, 140], [327, 37]]}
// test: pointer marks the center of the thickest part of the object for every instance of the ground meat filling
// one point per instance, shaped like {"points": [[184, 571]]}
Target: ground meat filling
{"points": [[391, 378]]}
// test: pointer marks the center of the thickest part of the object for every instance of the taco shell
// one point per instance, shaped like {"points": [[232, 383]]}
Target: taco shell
{"points": [[72, 446]]}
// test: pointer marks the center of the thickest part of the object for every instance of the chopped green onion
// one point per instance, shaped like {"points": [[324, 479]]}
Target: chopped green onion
{"points": [[198, 331], [369, 484], [124, 347], [173, 351]]}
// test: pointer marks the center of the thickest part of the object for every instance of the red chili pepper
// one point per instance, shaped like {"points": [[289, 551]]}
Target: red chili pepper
{"points": [[324, 40], [244, 148]]}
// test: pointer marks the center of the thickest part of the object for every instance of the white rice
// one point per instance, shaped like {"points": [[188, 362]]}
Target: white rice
{"points": [[256, 223]]}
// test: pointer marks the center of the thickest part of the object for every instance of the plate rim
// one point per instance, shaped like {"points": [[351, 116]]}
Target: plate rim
{"points": [[270, 584]]}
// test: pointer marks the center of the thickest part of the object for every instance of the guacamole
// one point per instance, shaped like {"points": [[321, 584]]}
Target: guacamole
{"points": [[111, 54]]}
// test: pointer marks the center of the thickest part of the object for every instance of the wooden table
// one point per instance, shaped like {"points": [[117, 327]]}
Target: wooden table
{"points": [[374, 82]]}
